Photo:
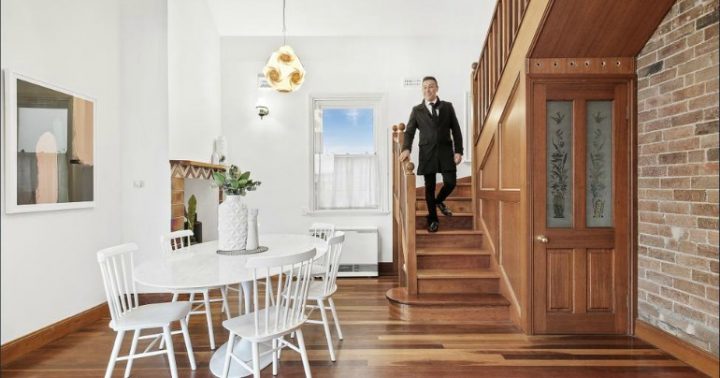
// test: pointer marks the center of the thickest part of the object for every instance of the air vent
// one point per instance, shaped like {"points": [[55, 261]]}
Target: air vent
{"points": [[412, 82], [358, 268]]}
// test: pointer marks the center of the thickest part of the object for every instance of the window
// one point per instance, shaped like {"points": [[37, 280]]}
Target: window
{"points": [[349, 154]]}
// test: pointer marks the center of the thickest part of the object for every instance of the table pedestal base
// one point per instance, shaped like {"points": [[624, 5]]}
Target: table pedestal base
{"points": [[242, 349]]}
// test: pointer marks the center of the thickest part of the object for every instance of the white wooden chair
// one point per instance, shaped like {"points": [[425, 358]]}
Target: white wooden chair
{"points": [[116, 266], [323, 231], [269, 323], [175, 242], [324, 289]]}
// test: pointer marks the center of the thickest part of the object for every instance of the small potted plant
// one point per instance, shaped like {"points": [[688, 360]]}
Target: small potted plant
{"points": [[232, 213], [191, 222]]}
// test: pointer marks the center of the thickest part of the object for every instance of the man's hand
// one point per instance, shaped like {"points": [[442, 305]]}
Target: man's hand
{"points": [[458, 159], [404, 155]]}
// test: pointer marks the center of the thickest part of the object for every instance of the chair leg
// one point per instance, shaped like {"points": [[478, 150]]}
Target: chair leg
{"points": [[275, 356], [279, 352], [256, 359], [226, 307], [170, 351], [228, 353], [208, 315], [188, 344], [328, 337], [335, 318], [114, 354], [303, 353], [174, 299], [190, 299], [133, 346]]}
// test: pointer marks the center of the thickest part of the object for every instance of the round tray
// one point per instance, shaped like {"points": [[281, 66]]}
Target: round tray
{"points": [[242, 252]]}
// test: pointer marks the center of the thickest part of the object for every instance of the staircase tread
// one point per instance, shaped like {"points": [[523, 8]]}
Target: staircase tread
{"points": [[456, 273], [440, 251], [449, 232], [399, 294], [424, 213]]}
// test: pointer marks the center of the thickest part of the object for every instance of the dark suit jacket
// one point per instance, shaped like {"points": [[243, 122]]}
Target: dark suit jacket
{"points": [[436, 144]]}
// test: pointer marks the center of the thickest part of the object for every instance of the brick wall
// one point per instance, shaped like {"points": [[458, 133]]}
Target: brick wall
{"points": [[678, 175]]}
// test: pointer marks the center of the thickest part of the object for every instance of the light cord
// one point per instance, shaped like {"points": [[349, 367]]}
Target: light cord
{"points": [[284, 28]]}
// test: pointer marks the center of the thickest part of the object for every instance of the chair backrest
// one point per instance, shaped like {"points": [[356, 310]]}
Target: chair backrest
{"points": [[332, 261], [323, 231], [291, 291], [176, 240], [116, 267]]}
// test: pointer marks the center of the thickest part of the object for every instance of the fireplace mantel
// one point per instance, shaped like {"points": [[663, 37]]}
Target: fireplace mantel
{"points": [[179, 171]]}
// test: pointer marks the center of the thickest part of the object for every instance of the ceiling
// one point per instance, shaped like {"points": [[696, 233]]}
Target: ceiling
{"points": [[371, 18]]}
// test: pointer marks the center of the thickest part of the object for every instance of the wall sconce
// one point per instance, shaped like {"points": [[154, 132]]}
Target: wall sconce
{"points": [[262, 110]]}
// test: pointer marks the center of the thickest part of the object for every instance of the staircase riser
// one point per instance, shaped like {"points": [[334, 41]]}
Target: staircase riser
{"points": [[453, 262], [447, 223], [459, 206], [449, 241], [458, 285]]}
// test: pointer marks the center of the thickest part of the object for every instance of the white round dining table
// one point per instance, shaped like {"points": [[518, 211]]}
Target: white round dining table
{"points": [[201, 266]]}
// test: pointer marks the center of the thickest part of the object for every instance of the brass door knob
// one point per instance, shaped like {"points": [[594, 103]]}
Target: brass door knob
{"points": [[542, 239]]}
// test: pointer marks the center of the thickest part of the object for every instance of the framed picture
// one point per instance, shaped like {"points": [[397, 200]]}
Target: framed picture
{"points": [[50, 147], [468, 137]]}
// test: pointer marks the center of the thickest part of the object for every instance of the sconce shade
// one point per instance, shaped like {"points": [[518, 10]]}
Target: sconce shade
{"points": [[283, 71]]}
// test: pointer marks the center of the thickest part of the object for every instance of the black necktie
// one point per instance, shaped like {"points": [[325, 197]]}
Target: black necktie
{"points": [[434, 109]]}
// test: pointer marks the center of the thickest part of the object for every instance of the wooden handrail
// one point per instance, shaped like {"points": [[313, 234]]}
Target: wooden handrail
{"points": [[488, 70], [404, 212]]}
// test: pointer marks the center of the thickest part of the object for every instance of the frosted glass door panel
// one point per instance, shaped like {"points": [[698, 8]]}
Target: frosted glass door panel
{"points": [[598, 199], [559, 164]]}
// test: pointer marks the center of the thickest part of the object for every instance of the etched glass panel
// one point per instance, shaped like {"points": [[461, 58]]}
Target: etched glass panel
{"points": [[598, 199], [559, 210]]}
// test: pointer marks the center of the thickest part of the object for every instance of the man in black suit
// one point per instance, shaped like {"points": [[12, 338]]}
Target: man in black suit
{"points": [[436, 121]]}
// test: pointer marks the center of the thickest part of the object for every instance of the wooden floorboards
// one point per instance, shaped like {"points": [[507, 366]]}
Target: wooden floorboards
{"points": [[377, 346]]}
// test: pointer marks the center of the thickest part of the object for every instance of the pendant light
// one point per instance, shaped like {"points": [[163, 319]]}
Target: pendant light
{"points": [[283, 71]]}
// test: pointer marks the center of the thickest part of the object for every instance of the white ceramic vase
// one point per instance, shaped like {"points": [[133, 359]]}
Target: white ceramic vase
{"points": [[232, 224], [252, 237]]}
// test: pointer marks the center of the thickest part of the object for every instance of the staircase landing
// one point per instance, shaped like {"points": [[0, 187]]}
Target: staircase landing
{"points": [[455, 308]]}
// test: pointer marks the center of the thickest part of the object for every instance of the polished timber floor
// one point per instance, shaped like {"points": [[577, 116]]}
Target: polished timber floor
{"points": [[377, 346]]}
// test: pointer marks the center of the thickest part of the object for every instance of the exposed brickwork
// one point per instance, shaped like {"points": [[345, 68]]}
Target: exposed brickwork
{"points": [[678, 174]]}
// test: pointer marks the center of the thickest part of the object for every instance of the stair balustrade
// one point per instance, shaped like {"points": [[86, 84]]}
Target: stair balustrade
{"points": [[404, 213]]}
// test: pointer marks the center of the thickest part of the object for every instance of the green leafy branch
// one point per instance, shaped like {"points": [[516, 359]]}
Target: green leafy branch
{"points": [[234, 181]]}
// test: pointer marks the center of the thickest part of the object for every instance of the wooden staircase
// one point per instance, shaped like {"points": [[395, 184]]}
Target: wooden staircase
{"points": [[456, 278]]}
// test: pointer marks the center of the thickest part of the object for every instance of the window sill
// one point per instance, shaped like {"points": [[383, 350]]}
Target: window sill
{"points": [[344, 212]]}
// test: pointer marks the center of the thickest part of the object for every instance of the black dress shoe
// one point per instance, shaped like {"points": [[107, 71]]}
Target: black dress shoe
{"points": [[444, 209], [433, 227]]}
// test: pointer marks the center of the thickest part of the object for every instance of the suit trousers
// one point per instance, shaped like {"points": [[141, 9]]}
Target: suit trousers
{"points": [[449, 181]]}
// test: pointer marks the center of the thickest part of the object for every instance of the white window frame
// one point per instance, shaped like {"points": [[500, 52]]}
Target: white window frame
{"points": [[376, 101]]}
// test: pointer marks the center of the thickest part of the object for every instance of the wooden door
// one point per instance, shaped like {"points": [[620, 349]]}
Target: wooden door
{"points": [[581, 204]]}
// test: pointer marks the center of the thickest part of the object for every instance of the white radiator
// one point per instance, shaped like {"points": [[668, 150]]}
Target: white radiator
{"points": [[360, 252]]}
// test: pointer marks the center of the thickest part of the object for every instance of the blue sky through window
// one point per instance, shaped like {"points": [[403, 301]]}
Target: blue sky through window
{"points": [[348, 131]]}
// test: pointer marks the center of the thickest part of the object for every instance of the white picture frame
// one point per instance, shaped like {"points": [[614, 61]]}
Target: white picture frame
{"points": [[50, 146]]}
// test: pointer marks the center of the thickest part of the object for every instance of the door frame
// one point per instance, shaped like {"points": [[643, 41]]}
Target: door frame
{"points": [[630, 80]]}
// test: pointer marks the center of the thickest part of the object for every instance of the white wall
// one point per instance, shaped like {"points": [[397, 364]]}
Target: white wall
{"points": [[194, 80], [194, 97], [276, 149], [48, 265], [145, 200]]}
